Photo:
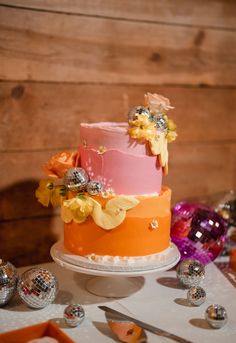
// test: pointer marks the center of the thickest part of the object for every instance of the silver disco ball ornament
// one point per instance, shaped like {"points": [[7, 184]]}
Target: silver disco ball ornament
{"points": [[94, 187], [74, 314], [76, 179], [160, 122], [37, 287], [216, 316], [196, 295], [138, 110], [190, 273], [8, 281]]}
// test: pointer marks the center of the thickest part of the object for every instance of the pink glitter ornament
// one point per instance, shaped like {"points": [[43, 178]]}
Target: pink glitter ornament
{"points": [[198, 231]]}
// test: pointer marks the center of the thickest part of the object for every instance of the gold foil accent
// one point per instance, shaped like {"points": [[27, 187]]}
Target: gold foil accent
{"points": [[101, 149], [154, 224]]}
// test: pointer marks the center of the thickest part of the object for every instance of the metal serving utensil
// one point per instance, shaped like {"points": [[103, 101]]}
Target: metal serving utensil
{"points": [[141, 324]]}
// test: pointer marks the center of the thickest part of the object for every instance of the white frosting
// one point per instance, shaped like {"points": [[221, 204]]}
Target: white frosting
{"points": [[129, 260]]}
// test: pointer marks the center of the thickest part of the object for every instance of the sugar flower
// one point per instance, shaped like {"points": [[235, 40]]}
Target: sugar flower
{"points": [[58, 195], [157, 103], [142, 128], [43, 192], [108, 217], [47, 192], [114, 211], [58, 164], [158, 147], [77, 209], [171, 136], [171, 130]]}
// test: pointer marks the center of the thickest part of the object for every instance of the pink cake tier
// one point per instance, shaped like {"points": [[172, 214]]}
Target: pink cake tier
{"points": [[122, 164]]}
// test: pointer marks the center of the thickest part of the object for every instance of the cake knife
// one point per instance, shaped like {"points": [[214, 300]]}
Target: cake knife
{"points": [[144, 325]]}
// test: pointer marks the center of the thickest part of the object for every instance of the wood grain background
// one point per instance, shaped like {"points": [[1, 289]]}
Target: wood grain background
{"points": [[65, 62]]}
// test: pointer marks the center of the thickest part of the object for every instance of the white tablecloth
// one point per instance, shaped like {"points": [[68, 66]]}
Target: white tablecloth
{"points": [[160, 302]]}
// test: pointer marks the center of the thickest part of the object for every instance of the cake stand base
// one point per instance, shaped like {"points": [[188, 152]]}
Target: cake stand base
{"points": [[112, 283], [114, 287]]}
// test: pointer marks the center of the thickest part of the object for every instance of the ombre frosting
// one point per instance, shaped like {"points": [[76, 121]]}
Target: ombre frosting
{"points": [[122, 164], [115, 209]]}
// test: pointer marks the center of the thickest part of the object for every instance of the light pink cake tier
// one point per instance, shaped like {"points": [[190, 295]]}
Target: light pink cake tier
{"points": [[109, 155]]}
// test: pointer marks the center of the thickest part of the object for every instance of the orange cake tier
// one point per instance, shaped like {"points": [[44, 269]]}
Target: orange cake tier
{"points": [[145, 230]]}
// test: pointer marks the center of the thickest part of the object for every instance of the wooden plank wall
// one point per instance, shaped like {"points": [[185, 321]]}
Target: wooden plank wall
{"points": [[65, 62]]}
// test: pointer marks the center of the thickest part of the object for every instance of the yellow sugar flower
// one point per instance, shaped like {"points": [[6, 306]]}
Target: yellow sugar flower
{"points": [[43, 192], [47, 192], [171, 136], [142, 121], [171, 125], [142, 128], [77, 209], [156, 129], [58, 195], [109, 217], [114, 212], [158, 146], [171, 130], [140, 133]]}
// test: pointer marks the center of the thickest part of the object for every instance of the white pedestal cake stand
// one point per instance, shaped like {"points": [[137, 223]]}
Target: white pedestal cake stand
{"points": [[115, 280]]}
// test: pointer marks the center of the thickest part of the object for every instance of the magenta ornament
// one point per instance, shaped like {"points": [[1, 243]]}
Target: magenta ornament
{"points": [[198, 231]]}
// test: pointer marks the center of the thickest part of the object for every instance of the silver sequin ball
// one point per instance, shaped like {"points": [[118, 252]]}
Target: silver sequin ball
{"points": [[160, 122], [138, 110], [76, 179], [8, 281], [190, 273], [37, 287], [216, 316], [74, 314], [94, 187], [196, 295]]}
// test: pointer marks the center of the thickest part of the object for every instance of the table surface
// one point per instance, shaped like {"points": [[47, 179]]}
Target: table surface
{"points": [[160, 301]]}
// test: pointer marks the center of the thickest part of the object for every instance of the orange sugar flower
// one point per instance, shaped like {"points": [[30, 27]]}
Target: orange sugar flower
{"points": [[58, 164], [157, 103]]}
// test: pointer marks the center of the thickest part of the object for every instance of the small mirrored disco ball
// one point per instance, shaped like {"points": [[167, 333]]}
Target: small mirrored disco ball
{"points": [[94, 187], [196, 295], [74, 314], [138, 110], [190, 273], [37, 287], [76, 179], [216, 316], [160, 122], [8, 281]]}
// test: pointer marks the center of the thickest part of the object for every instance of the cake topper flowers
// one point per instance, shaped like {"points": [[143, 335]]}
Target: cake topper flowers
{"points": [[55, 168], [108, 217], [157, 103], [59, 164], [79, 197], [48, 193], [151, 123]]}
